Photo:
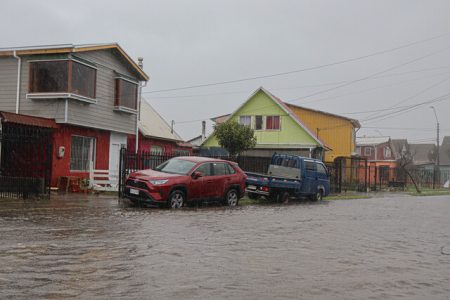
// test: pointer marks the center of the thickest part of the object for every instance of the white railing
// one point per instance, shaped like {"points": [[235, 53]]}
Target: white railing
{"points": [[103, 180]]}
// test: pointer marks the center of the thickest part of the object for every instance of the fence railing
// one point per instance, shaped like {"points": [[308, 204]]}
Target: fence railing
{"points": [[349, 174]]}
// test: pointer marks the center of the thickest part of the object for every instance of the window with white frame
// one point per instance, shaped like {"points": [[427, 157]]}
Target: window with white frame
{"points": [[367, 151], [258, 122], [245, 120], [156, 150], [82, 153], [387, 152]]}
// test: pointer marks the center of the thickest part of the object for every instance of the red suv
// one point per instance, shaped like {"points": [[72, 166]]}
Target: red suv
{"points": [[187, 179]]}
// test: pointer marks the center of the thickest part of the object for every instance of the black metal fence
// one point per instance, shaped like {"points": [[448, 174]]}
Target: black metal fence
{"points": [[131, 162], [25, 162], [346, 173]]}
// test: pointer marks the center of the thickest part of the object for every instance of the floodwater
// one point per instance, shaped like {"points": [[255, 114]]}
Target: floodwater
{"points": [[382, 248]]}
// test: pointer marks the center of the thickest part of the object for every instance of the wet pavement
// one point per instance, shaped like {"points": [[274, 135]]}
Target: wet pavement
{"points": [[379, 248]]}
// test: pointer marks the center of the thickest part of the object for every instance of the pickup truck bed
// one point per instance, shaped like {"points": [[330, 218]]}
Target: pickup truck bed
{"points": [[290, 176]]}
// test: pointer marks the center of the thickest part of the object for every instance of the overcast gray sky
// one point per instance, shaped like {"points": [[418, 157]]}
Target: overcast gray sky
{"points": [[187, 43]]}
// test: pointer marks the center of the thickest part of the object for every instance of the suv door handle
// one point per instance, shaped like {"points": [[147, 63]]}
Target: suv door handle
{"points": [[209, 181]]}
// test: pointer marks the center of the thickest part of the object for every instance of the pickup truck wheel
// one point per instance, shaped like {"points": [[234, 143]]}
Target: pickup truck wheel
{"points": [[318, 196], [253, 196], [232, 198], [284, 197], [176, 199]]}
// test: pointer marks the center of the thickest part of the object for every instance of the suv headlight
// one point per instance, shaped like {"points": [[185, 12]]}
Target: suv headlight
{"points": [[159, 181]]}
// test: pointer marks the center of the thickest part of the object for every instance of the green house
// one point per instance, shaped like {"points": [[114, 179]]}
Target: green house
{"points": [[277, 128]]}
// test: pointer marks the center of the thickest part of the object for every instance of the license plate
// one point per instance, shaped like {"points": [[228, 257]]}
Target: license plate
{"points": [[134, 191], [251, 187]]}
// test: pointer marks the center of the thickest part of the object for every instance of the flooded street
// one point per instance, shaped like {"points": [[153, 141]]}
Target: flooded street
{"points": [[349, 249]]}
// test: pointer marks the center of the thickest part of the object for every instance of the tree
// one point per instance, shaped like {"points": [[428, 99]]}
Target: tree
{"points": [[235, 137], [405, 160]]}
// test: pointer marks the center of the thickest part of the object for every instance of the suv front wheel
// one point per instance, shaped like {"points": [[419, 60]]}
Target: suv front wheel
{"points": [[232, 197], [176, 199]]}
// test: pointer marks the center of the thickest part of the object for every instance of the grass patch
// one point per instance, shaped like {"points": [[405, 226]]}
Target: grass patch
{"points": [[346, 197], [431, 192]]}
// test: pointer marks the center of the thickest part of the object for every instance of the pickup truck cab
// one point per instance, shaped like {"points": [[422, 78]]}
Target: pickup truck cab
{"points": [[290, 176]]}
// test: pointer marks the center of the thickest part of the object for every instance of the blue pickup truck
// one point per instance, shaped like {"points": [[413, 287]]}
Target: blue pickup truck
{"points": [[290, 176]]}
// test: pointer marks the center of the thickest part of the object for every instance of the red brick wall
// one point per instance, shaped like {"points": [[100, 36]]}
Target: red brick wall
{"points": [[63, 137]]}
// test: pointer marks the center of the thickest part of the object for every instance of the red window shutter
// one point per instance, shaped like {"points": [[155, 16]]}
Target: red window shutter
{"points": [[276, 122], [269, 123]]}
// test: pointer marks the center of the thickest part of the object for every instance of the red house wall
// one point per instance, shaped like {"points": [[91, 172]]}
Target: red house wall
{"points": [[63, 137]]}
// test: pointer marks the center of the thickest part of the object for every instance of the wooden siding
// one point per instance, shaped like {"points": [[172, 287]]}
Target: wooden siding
{"points": [[8, 84], [102, 114], [336, 132]]}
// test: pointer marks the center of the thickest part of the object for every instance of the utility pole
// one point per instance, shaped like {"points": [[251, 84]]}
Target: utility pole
{"points": [[437, 172]]}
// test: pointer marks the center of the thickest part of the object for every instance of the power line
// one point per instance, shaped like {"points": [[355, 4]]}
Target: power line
{"points": [[304, 69], [368, 76]]}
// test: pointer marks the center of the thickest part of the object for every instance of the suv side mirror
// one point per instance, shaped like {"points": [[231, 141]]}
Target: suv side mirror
{"points": [[197, 175]]}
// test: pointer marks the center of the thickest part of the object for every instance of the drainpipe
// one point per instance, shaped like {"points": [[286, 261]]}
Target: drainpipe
{"points": [[19, 65], [138, 116]]}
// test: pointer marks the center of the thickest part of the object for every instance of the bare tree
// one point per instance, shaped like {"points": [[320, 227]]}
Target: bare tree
{"points": [[406, 160]]}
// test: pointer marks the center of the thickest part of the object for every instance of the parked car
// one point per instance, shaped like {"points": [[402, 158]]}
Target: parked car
{"points": [[187, 179], [290, 176]]}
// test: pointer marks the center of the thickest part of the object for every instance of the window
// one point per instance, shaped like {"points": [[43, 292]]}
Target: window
{"points": [[387, 152], [258, 122], [273, 122], [358, 150], [205, 169], [181, 152], [82, 152], [367, 151], [62, 76], [310, 166], [49, 77], [231, 170], [245, 120], [83, 80], [126, 94], [156, 150], [220, 169], [321, 169]]}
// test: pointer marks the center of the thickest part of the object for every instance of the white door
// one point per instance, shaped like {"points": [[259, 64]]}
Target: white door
{"points": [[117, 141]]}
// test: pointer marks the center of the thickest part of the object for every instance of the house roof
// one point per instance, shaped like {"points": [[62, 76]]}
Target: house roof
{"points": [[8, 117], [444, 152], [354, 122], [71, 48], [421, 152], [153, 125], [398, 146], [371, 140]]}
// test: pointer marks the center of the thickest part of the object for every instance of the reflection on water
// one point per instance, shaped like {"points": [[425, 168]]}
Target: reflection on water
{"points": [[96, 248]]}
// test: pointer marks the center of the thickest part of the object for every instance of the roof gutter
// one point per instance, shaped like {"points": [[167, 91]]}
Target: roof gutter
{"points": [[19, 66]]}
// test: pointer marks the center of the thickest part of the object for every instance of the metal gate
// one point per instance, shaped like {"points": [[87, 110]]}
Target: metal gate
{"points": [[26, 160]]}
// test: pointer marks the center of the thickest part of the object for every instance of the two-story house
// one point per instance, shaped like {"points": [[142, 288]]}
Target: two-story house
{"points": [[277, 128], [90, 91], [381, 155]]}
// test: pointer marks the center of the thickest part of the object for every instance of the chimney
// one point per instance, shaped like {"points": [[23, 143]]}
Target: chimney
{"points": [[203, 130], [141, 62]]}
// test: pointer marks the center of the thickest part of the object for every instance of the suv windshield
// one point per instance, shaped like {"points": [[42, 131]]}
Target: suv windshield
{"points": [[176, 166]]}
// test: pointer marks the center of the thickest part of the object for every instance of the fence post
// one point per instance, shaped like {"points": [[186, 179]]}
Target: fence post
{"points": [[91, 174]]}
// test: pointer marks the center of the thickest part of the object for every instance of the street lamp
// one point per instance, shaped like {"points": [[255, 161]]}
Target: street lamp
{"points": [[436, 168]]}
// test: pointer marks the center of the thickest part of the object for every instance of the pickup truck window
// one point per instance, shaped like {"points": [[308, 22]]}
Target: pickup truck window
{"points": [[321, 169], [310, 166]]}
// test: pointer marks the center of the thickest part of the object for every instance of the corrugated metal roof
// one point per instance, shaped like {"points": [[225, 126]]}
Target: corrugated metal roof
{"points": [[371, 140], [153, 125], [8, 117]]}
